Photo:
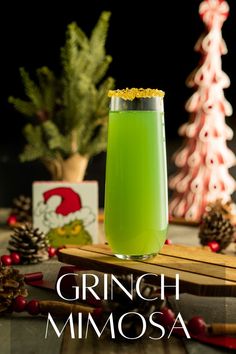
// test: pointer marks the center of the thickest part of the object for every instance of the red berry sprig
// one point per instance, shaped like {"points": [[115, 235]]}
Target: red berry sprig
{"points": [[9, 259], [52, 252], [6, 260], [11, 220], [168, 317], [20, 304], [214, 246], [168, 242], [15, 258], [196, 325], [35, 307], [32, 307]]}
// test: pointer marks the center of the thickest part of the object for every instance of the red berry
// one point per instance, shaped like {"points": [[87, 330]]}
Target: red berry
{"points": [[52, 252], [197, 325], [214, 246], [11, 220], [168, 317], [6, 260], [97, 312], [168, 242], [15, 258], [19, 303], [33, 307]]}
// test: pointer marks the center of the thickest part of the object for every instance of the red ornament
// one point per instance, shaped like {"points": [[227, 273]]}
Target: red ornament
{"points": [[52, 252], [6, 260], [214, 246], [19, 303], [11, 220], [168, 242], [197, 325], [33, 307], [15, 258], [168, 317]]}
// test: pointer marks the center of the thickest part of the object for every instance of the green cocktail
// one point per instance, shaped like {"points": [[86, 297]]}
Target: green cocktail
{"points": [[136, 177]]}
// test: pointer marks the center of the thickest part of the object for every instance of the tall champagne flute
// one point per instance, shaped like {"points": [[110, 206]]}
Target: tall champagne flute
{"points": [[136, 205]]}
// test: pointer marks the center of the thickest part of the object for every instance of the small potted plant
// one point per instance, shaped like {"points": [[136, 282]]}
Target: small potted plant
{"points": [[69, 113]]}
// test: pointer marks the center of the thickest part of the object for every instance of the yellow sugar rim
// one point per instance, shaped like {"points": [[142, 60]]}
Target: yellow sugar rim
{"points": [[131, 94]]}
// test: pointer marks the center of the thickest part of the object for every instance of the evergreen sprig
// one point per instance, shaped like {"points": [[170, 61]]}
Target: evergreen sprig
{"points": [[69, 113]]}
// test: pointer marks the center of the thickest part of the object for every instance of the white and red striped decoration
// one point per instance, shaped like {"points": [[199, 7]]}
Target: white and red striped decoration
{"points": [[214, 12], [204, 159]]}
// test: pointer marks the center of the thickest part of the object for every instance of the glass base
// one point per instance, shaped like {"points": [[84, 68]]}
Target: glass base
{"points": [[135, 257]]}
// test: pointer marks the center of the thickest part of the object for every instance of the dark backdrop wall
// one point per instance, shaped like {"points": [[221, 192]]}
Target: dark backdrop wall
{"points": [[151, 44]]}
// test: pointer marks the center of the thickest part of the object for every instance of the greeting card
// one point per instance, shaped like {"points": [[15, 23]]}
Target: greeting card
{"points": [[66, 212]]}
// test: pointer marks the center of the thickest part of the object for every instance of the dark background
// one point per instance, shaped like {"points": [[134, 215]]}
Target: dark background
{"points": [[151, 43]]}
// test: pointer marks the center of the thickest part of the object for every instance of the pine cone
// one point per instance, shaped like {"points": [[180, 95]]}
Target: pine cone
{"points": [[22, 208], [11, 285], [216, 225], [121, 304], [30, 243], [224, 208]]}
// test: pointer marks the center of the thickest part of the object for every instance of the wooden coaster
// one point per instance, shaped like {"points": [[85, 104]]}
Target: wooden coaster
{"points": [[201, 272]]}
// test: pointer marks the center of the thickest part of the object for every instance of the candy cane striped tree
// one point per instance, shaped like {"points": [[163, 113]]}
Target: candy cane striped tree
{"points": [[204, 159]]}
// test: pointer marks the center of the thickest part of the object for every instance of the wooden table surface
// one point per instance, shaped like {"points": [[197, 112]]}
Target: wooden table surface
{"points": [[24, 334]]}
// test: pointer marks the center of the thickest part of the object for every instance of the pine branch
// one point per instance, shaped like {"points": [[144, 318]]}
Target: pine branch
{"points": [[55, 140], [36, 147], [71, 110], [52, 134], [102, 69], [33, 134], [74, 57], [47, 84], [94, 132], [24, 107], [30, 153], [83, 102], [31, 89], [99, 35], [42, 95], [75, 51], [102, 99], [99, 143]]}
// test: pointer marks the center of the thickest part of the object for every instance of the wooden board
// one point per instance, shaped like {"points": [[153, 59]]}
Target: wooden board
{"points": [[182, 221], [201, 272]]}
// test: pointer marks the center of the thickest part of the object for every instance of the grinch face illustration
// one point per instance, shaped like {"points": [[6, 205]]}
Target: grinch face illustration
{"points": [[64, 218], [72, 233]]}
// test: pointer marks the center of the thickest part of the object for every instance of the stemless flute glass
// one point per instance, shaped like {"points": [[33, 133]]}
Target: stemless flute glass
{"points": [[136, 206]]}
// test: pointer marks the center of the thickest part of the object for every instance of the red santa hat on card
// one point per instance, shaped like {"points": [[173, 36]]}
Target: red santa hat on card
{"points": [[62, 205], [70, 200]]}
